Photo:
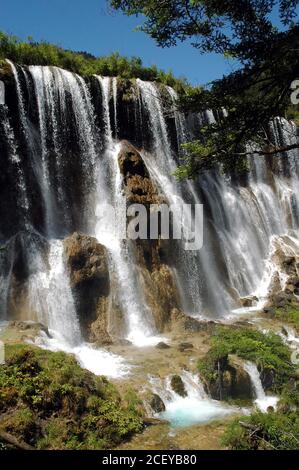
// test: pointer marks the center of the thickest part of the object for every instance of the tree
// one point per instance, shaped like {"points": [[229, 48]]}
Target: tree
{"points": [[262, 36]]}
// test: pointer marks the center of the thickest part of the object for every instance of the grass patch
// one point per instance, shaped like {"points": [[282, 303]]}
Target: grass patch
{"points": [[288, 314]]}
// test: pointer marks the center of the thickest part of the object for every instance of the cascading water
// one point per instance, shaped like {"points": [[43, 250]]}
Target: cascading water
{"points": [[262, 400], [52, 299], [161, 168], [138, 315], [195, 408]]}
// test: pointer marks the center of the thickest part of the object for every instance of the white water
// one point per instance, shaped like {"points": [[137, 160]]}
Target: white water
{"points": [[140, 327], [52, 299], [262, 400], [196, 408], [54, 87]]}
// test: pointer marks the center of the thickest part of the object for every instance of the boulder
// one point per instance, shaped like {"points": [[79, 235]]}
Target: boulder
{"points": [[185, 347], [162, 345], [178, 386], [90, 282], [156, 403], [139, 188], [267, 377], [230, 380], [248, 301]]}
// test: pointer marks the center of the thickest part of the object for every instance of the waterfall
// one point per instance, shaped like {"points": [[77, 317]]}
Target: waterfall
{"points": [[51, 297], [262, 400], [63, 102], [140, 329], [15, 161], [61, 140], [195, 408]]}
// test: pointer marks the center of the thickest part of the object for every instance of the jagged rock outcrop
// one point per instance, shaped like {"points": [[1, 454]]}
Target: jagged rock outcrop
{"points": [[284, 287], [152, 256], [90, 281], [139, 188]]}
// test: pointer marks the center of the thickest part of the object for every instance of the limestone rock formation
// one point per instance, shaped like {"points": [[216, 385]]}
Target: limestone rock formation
{"points": [[90, 281], [284, 287], [139, 187], [20, 258], [153, 257]]}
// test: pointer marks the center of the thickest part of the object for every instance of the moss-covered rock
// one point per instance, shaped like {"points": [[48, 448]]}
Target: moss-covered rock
{"points": [[48, 401], [156, 403], [178, 386], [268, 351]]}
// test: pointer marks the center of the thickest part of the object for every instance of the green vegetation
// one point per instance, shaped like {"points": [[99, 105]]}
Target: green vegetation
{"points": [[268, 431], [266, 350], [261, 39], [288, 314], [277, 430], [48, 401], [43, 53]]}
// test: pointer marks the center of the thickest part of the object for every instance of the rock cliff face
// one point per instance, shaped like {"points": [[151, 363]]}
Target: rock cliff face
{"points": [[284, 286]]}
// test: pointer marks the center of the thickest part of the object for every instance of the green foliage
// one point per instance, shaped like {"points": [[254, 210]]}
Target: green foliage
{"points": [[288, 314], [265, 60], [293, 113], [238, 28], [43, 53], [266, 350], [275, 431], [49, 401]]}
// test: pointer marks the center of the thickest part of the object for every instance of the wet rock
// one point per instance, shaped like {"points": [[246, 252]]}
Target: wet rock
{"points": [[267, 377], [152, 257], [162, 345], [139, 188], [178, 386], [195, 326], [90, 281], [156, 403], [230, 380], [270, 311], [248, 301], [185, 347], [22, 257]]}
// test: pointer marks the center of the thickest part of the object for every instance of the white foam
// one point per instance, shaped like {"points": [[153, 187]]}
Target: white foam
{"points": [[97, 361], [195, 408]]}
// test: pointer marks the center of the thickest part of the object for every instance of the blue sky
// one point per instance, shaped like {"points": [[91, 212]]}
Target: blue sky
{"points": [[88, 25]]}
